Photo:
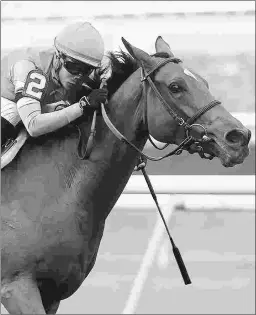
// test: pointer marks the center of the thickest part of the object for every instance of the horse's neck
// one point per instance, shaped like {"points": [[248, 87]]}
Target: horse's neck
{"points": [[111, 162]]}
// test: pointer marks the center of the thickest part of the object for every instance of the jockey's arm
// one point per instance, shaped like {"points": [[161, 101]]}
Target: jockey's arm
{"points": [[38, 124], [30, 85]]}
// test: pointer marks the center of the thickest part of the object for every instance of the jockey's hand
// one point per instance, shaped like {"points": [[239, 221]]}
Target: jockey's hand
{"points": [[96, 97]]}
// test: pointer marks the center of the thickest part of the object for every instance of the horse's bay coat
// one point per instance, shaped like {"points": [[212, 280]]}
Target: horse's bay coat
{"points": [[54, 205]]}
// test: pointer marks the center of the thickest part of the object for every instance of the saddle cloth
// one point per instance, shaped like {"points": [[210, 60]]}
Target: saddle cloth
{"points": [[12, 148]]}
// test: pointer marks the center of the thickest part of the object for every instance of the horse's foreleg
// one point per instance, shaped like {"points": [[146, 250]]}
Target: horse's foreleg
{"points": [[22, 296]]}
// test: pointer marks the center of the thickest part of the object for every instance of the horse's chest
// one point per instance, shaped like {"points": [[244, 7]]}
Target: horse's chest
{"points": [[72, 244], [70, 262]]}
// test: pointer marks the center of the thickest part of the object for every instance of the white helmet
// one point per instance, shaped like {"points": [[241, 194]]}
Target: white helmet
{"points": [[81, 41]]}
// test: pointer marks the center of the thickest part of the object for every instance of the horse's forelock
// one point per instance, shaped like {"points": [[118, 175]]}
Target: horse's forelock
{"points": [[166, 56], [161, 55]]}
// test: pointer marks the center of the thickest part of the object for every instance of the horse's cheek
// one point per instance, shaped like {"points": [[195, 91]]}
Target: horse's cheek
{"points": [[159, 127]]}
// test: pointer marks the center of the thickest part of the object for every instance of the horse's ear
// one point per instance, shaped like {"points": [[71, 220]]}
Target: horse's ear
{"points": [[162, 46], [141, 56], [129, 47]]}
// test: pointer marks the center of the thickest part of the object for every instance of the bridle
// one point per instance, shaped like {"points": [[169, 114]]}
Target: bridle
{"points": [[187, 125]]}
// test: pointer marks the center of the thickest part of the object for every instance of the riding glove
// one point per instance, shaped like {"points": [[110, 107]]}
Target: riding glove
{"points": [[96, 97]]}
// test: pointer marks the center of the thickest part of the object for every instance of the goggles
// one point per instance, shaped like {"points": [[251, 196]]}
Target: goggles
{"points": [[75, 67]]}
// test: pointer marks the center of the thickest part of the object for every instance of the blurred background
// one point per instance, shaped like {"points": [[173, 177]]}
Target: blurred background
{"points": [[215, 235]]}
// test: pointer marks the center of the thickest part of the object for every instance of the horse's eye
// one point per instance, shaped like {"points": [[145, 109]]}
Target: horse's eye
{"points": [[175, 88]]}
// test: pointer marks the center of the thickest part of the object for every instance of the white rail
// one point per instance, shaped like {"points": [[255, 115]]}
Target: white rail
{"points": [[193, 184]]}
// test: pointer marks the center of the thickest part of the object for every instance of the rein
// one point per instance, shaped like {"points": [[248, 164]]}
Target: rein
{"points": [[186, 143], [187, 125], [125, 140]]}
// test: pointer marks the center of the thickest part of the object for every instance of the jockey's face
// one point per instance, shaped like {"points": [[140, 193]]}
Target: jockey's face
{"points": [[72, 72]]}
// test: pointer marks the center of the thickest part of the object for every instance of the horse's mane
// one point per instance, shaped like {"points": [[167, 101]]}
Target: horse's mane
{"points": [[120, 66]]}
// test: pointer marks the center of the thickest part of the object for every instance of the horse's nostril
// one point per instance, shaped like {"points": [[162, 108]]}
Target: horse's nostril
{"points": [[238, 136]]}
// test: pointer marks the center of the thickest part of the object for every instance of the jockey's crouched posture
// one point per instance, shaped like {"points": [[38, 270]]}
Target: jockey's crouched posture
{"points": [[35, 82]]}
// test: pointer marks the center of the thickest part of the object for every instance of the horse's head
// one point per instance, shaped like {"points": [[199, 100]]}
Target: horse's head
{"points": [[179, 105]]}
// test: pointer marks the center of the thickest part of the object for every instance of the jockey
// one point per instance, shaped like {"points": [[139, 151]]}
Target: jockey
{"points": [[34, 82]]}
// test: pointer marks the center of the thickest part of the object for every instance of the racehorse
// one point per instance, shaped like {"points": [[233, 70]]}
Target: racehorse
{"points": [[54, 204]]}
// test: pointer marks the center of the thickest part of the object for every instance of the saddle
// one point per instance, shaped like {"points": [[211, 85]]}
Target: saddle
{"points": [[10, 149]]}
